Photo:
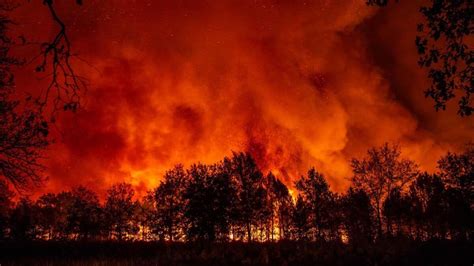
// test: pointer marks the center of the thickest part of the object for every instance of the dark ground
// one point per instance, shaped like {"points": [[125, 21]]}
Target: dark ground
{"points": [[387, 252]]}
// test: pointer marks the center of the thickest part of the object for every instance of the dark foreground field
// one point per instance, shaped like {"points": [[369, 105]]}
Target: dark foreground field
{"points": [[388, 252]]}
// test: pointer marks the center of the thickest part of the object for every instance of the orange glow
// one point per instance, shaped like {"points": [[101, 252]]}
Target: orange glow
{"points": [[295, 83]]}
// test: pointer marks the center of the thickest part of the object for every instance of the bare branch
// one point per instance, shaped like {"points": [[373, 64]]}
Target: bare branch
{"points": [[66, 86]]}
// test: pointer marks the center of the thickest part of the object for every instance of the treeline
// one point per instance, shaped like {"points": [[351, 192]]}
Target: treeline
{"points": [[233, 200]]}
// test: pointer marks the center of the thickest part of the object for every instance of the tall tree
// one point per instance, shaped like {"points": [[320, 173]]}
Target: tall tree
{"points": [[146, 217], [169, 197], [52, 216], [119, 210], [280, 204], [357, 212], [460, 215], [85, 216], [301, 220], [22, 221], [251, 194], [315, 192], [428, 190], [397, 209], [6, 204], [198, 211], [208, 196], [457, 170], [381, 171]]}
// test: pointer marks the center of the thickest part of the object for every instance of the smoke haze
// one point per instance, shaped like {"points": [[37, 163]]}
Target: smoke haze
{"points": [[295, 83]]}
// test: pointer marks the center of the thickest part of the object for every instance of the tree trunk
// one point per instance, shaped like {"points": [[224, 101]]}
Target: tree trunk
{"points": [[379, 220], [249, 232]]}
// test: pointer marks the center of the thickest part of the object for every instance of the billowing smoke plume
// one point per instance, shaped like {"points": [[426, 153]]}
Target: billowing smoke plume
{"points": [[295, 83]]}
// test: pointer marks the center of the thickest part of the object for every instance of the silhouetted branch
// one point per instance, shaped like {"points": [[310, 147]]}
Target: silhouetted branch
{"points": [[23, 132], [444, 51], [67, 85]]}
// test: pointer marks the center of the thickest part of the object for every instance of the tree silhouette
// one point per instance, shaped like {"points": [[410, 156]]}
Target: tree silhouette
{"points": [[251, 194], [22, 221], [444, 50], [120, 209], [55, 57], [357, 213], [380, 172], [460, 214], [169, 197], [396, 209], [51, 216], [146, 217], [301, 220], [85, 215], [429, 190], [281, 206], [208, 197], [458, 170], [6, 203], [198, 213], [321, 202], [232, 200], [23, 131]]}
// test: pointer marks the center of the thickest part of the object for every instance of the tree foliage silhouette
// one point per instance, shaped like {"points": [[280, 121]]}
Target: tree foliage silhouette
{"points": [[444, 49], [281, 205], [23, 131], [209, 197], [232, 200], [380, 172], [251, 195], [315, 193], [169, 197], [85, 215], [357, 216], [120, 210]]}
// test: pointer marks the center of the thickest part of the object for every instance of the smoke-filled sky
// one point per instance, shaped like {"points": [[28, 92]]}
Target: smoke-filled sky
{"points": [[296, 83]]}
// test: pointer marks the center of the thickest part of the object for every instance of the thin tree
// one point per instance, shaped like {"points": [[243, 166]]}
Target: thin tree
{"points": [[6, 203], [280, 204]]}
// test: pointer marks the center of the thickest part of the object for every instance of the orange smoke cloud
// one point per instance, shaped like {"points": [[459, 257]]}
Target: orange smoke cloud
{"points": [[295, 83]]}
